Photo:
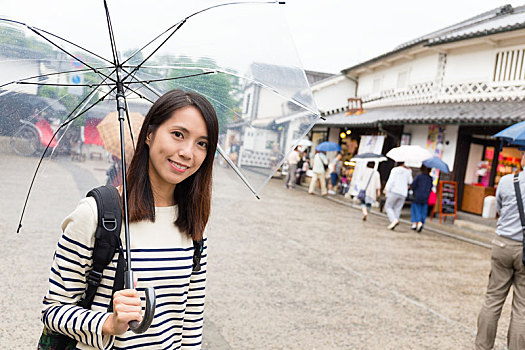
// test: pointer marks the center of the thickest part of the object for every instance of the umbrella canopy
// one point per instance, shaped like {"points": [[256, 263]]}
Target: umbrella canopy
{"points": [[410, 154], [514, 134], [133, 52], [328, 146], [109, 132], [305, 143], [369, 157], [234, 66], [436, 163]]}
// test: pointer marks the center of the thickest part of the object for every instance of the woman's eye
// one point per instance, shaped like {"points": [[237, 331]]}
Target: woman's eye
{"points": [[203, 144], [177, 134]]}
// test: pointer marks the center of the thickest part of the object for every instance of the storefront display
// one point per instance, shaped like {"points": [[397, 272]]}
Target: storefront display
{"points": [[483, 175]]}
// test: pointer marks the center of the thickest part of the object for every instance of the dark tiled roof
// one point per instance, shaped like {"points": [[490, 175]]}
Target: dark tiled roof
{"points": [[502, 113]]}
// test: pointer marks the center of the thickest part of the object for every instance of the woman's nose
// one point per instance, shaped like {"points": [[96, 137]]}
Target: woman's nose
{"points": [[185, 150]]}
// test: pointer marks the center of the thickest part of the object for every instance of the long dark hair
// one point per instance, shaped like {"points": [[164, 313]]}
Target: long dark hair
{"points": [[193, 195]]}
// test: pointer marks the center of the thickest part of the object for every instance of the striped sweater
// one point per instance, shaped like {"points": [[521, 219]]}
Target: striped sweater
{"points": [[161, 258]]}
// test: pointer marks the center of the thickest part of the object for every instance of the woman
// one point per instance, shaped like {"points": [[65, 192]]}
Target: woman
{"points": [[370, 182], [421, 186], [169, 189], [396, 191]]}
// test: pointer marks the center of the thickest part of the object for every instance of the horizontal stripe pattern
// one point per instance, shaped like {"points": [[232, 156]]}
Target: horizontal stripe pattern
{"points": [[161, 258]]}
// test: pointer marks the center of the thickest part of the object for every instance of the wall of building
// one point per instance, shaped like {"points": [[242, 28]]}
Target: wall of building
{"points": [[470, 64], [334, 93], [421, 68], [269, 104], [476, 62]]}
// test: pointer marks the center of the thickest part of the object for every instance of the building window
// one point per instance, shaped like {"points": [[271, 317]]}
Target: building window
{"points": [[509, 66]]}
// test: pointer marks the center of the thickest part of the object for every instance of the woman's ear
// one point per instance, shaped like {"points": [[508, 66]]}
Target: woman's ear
{"points": [[148, 138]]}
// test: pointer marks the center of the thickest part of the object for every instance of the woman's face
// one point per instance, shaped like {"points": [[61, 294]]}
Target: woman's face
{"points": [[177, 148]]}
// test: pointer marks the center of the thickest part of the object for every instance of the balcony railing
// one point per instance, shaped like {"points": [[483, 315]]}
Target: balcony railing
{"points": [[428, 92]]}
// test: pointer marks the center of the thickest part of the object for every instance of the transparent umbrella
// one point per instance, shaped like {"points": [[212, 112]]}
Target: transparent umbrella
{"points": [[63, 68]]}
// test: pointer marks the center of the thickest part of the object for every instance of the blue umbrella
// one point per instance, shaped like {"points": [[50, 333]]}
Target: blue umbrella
{"points": [[436, 163], [328, 146], [514, 134]]}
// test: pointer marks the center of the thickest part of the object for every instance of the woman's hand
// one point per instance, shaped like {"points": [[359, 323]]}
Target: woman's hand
{"points": [[126, 308]]}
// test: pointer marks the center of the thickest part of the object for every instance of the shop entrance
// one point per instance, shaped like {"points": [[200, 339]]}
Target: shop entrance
{"points": [[485, 165]]}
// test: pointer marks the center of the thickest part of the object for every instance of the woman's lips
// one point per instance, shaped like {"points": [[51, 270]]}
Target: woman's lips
{"points": [[177, 166]]}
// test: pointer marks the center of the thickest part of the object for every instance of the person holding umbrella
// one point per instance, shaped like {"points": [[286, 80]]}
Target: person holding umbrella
{"points": [[396, 191], [421, 186], [169, 190], [369, 181]]}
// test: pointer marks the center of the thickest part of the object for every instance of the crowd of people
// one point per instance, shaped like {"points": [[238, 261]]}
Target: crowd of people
{"points": [[332, 178]]}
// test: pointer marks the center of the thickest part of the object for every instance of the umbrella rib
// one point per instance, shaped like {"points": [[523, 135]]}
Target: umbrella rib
{"points": [[219, 148], [72, 43], [175, 78], [67, 122], [154, 51], [151, 41], [60, 84], [179, 24], [48, 75], [184, 20], [129, 126], [56, 36], [70, 54], [217, 70], [111, 37]]}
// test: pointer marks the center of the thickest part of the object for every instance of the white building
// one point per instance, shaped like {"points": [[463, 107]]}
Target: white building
{"points": [[448, 91]]}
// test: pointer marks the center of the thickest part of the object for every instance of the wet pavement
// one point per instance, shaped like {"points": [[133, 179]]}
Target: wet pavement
{"points": [[291, 271]]}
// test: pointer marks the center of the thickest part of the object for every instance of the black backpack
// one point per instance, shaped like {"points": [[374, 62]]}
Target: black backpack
{"points": [[107, 243]]}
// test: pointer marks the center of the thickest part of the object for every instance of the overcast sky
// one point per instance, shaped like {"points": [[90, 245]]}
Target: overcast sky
{"points": [[331, 35]]}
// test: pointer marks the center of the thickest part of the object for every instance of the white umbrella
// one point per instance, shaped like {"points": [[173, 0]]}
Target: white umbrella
{"points": [[305, 143], [410, 154]]}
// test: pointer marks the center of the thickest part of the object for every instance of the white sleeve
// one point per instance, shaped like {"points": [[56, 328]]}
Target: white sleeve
{"points": [[67, 281]]}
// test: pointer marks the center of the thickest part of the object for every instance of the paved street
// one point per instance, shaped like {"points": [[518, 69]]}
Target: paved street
{"points": [[291, 271]]}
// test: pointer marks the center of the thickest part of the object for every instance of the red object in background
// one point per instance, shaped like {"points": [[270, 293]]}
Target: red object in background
{"points": [[432, 198], [45, 132], [489, 154], [91, 135]]}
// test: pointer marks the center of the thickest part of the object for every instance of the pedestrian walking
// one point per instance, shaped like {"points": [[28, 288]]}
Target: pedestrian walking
{"points": [[369, 181], [507, 268], [292, 159], [335, 171], [320, 164], [396, 191], [305, 166], [421, 187], [169, 189]]}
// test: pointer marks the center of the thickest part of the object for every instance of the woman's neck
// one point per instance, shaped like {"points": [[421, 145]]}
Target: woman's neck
{"points": [[163, 194]]}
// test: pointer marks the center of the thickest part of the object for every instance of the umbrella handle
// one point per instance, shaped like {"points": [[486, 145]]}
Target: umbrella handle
{"points": [[143, 326], [151, 301]]}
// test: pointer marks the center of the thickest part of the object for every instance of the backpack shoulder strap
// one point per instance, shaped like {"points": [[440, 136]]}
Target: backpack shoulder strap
{"points": [[519, 200], [107, 237]]}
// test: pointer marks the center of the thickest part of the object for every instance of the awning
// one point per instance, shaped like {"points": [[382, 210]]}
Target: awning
{"points": [[488, 113]]}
